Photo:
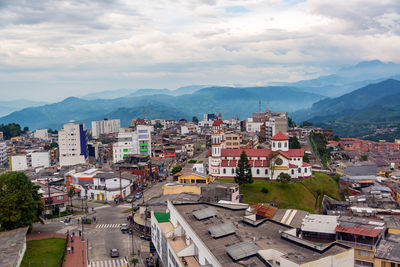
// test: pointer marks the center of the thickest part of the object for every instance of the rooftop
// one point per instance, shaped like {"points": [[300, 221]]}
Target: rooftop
{"points": [[11, 242], [389, 248], [266, 236], [319, 223]]}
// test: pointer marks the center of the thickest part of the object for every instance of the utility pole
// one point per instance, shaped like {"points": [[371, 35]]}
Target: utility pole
{"points": [[49, 199], [120, 184]]}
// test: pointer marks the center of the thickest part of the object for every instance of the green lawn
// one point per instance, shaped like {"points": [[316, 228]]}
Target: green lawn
{"points": [[45, 252], [293, 195]]}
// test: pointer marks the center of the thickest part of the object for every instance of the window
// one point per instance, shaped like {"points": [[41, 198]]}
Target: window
{"points": [[279, 144], [363, 253], [60, 197], [224, 171], [273, 144], [364, 263], [292, 172], [299, 170], [102, 180], [258, 171], [305, 170], [266, 171], [142, 131], [233, 170]]}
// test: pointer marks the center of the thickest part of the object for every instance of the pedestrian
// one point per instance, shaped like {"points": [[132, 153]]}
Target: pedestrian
{"points": [[80, 233], [73, 234], [69, 250], [72, 249], [78, 220]]}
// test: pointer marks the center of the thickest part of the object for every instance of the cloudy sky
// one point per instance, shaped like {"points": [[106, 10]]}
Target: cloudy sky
{"points": [[53, 49]]}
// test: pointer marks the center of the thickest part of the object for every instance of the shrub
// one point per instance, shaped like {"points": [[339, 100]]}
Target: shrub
{"points": [[264, 190], [192, 161]]}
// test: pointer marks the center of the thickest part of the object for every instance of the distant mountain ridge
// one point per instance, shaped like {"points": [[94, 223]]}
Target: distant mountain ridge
{"points": [[112, 94], [349, 78], [7, 107], [360, 112], [230, 101]]}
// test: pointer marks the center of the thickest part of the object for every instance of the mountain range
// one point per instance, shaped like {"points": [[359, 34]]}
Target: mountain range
{"points": [[359, 113], [7, 107], [231, 101]]}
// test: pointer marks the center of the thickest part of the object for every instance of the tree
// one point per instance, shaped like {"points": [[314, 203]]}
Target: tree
{"points": [[135, 261], [291, 123], [195, 119], [20, 201], [53, 145], [284, 178], [305, 158], [176, 169], [10, 130], [294, 143], [158, 125], [363, 157], [26, 129], [71, 194], [243, 171]]}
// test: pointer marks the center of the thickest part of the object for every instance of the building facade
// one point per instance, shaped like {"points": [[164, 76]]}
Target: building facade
{"points": [[265, 163], [73, 144], [3, 154], [41, 134], [24, 161], [105, 127]]}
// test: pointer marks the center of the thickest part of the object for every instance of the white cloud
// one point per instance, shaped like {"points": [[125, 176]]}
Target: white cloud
{"points": [[96, 45]]}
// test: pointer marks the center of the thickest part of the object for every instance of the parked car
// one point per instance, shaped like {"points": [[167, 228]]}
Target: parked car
{"points": [[138, 195], [130, 198], [145, 237], [114, 253]]}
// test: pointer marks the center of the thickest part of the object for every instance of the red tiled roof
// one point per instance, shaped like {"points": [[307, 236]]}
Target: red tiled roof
{"points": [[292, 166], [359, 231], [249, 152], [294, 152], [305, 164], [280, 136]]}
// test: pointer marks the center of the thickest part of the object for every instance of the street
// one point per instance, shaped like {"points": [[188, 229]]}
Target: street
{"points": [[104, 233]]}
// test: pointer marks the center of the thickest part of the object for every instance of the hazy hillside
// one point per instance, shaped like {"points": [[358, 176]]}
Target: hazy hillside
{"points": [[7, 107], [361, 112], [350, 78], [230, 101]]}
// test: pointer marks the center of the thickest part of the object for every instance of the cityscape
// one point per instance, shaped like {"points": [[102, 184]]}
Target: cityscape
{"points": [[204, 133]]}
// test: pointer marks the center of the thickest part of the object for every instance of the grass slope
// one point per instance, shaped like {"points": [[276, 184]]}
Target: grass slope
{"points": [[301, 195], [45, 252]]}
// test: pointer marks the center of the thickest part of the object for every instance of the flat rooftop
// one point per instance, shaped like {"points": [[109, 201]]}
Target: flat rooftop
{"points": [[11, 242], [266, 236]]}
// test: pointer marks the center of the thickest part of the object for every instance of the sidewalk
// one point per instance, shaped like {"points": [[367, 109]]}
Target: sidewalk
{"points": [[78, 258]]}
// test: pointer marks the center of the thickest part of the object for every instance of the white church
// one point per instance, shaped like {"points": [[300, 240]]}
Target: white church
{"points": [[265, 163]]}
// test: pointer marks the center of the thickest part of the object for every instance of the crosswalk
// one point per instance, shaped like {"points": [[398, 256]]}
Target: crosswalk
{"points": [[109, 263], [105, 225]]}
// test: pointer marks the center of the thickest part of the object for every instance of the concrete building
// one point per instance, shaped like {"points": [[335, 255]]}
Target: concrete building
{"points": [[201, 234], [24, 161], [12, 247], [3, 154], [1, 136], [233, 140], [105, 127], [41, 134], [73, 144], [265, 163], [130, 143]]}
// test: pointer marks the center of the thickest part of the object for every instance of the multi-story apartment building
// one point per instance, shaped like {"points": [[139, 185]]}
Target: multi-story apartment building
{"points": [[233, 140], [105, 127], [3, 154], [129, 143], [73, 144], [273, 122], [34, 159], [41, 134]]}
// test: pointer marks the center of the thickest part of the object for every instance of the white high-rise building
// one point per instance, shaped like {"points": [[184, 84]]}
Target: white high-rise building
{"points": [[72, 140], [3, 154], [129, 143], [105, 127], [41, 134]]}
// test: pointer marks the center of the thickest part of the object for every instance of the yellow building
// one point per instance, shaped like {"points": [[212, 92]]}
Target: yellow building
{"points": [[174, 189], [194, 179]]}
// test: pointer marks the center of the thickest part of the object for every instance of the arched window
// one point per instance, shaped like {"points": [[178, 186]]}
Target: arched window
{"points": [[273, 144], [224, 170], [305, 169], [285, 144], [299, 170], [233, 170], [279, 145], [292, 172], [266, 171], [258, 171]]}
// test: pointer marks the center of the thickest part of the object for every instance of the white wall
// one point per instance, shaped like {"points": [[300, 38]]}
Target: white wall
{"points": [[40, 159], [105, 127], [41, 134], [19, 163], [70, 145]]}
